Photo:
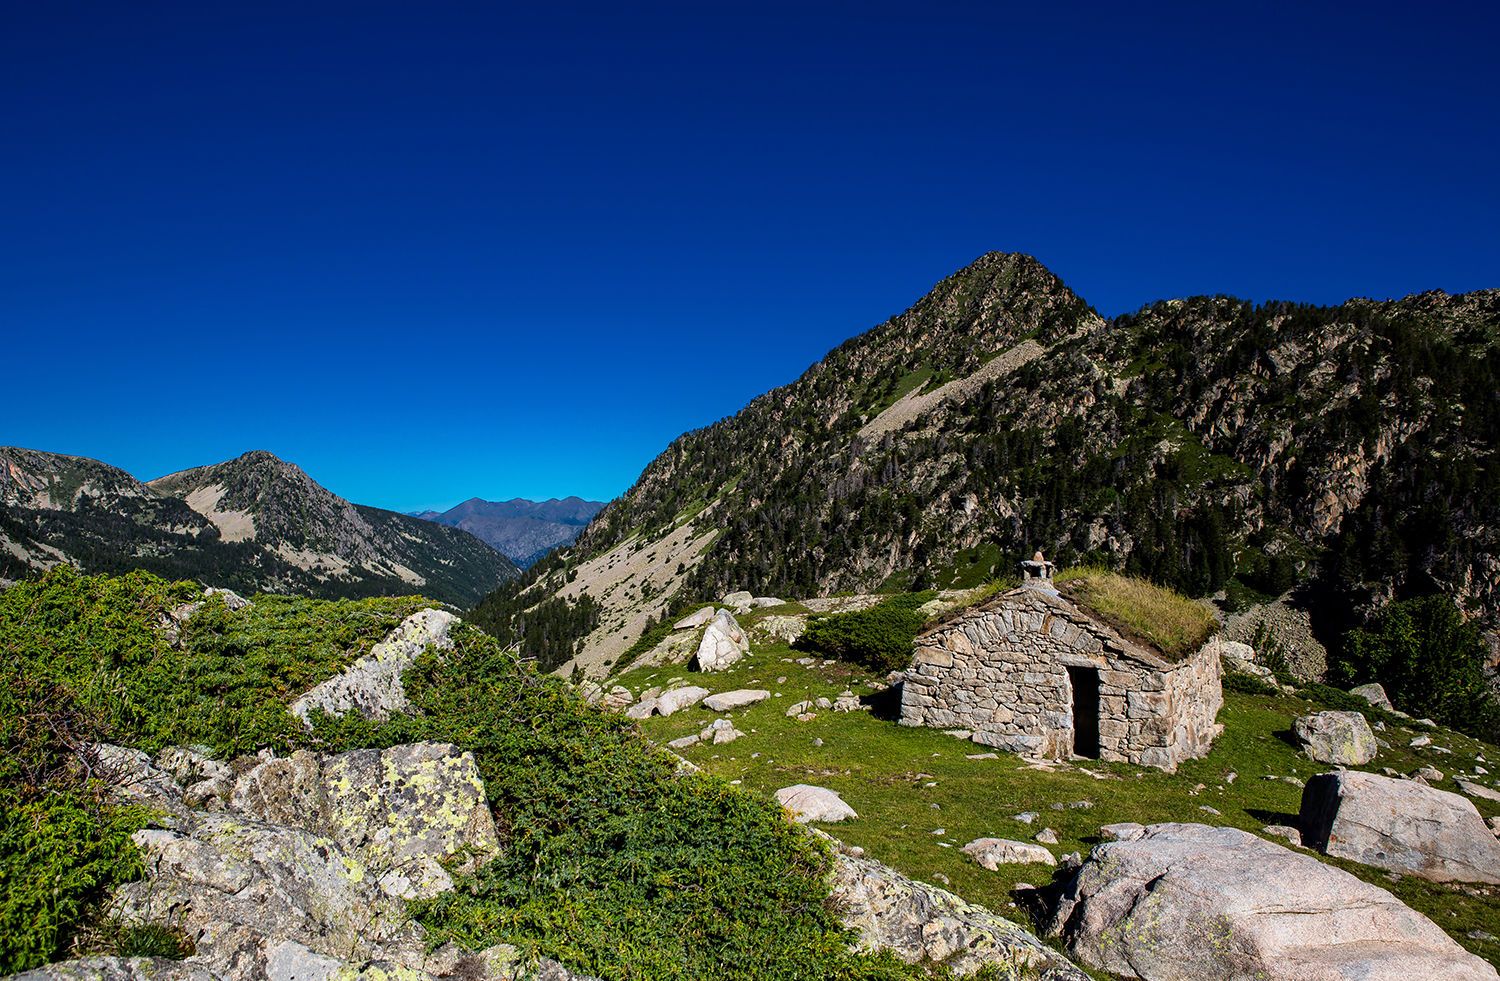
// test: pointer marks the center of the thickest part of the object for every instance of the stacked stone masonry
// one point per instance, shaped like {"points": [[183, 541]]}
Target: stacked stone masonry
{"points": [[1001, 671]]}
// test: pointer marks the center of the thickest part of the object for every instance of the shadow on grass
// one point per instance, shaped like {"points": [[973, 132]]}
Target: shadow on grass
{"points": [[1289, 737], [1273, 817]]}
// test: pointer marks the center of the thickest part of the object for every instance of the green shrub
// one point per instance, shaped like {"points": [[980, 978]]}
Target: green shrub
{"points": [[1430, 662], [611, 862], [879, 638], [1246, 684]]}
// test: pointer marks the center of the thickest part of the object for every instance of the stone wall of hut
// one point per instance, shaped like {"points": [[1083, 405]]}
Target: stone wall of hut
{"points": [[1001, 672]]}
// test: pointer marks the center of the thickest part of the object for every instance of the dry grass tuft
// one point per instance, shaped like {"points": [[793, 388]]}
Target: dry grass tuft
{"points": [[1169, 621]]}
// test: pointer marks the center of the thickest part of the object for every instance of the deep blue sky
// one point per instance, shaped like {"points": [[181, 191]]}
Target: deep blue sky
{"points": [[440, 250]]}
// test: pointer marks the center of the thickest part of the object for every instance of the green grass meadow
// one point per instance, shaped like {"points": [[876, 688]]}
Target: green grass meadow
{"points": [[920, 797]]}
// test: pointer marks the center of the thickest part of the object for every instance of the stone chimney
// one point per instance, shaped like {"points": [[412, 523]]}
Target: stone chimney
{"points": [[1037, 574]]}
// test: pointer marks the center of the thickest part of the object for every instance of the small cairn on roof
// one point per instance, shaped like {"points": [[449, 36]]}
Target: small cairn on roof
{"points": [[1037, 574]]}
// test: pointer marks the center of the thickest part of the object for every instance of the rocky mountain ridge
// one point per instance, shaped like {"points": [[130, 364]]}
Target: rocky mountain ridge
{"points": [[254, 523], [1212, 444], [524, 531]]}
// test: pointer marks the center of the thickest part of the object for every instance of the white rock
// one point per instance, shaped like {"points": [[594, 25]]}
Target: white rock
{"points": [[642, 709], [723, 644], [372, 685], [680, 698], [725, 701], [809, 803], [994, 852], [695, 619], [1476, 790], [729, 735], [1401, 825]]}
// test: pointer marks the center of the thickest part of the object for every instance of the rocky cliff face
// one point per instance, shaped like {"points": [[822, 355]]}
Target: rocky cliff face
{"points": [[253, 523], [1209, 443]]}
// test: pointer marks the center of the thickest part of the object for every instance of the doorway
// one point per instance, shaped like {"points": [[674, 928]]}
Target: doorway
{"points": [[1085, 685]]}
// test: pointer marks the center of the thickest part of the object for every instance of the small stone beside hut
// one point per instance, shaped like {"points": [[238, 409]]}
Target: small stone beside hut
{"points": [[1031, 673]]}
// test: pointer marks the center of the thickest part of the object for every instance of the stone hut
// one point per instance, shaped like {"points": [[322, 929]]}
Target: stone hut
{"points": [[1031, 673]]}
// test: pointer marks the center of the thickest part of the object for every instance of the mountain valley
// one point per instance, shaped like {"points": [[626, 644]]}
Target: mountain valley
{"points": [[524, 531]]}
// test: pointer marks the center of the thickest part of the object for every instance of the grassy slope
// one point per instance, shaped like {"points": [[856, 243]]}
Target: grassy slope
{"points": [[908, 782]]}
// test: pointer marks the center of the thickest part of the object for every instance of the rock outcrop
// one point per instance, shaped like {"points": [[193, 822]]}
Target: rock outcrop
{"points": [[400, 811], [1186, 902], [372, 685], [1402, 825], [919, 922], [1341, 738]]}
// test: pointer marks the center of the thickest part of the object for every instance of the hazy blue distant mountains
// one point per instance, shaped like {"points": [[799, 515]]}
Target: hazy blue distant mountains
{"points": [[255, 523], [523, 530]]}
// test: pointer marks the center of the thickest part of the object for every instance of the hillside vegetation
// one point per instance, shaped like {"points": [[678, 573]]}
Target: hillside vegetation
{"points": [[1208, 444], [611, 862]]}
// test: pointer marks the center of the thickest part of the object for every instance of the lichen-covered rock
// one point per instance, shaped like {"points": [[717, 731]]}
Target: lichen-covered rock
{"points": [[135, 779], [808, 803], [399, 811], [372, 685], [723, 644], [1341, 738], [241, 888], [118, 969], [916, 922], [406, 808], [991, 853], [1400, 825], [1184, 902], [189, 764], [787, 628]]}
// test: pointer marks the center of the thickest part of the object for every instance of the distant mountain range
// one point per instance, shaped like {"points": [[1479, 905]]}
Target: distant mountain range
{"points": [[524, 530], [255, 523]]}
